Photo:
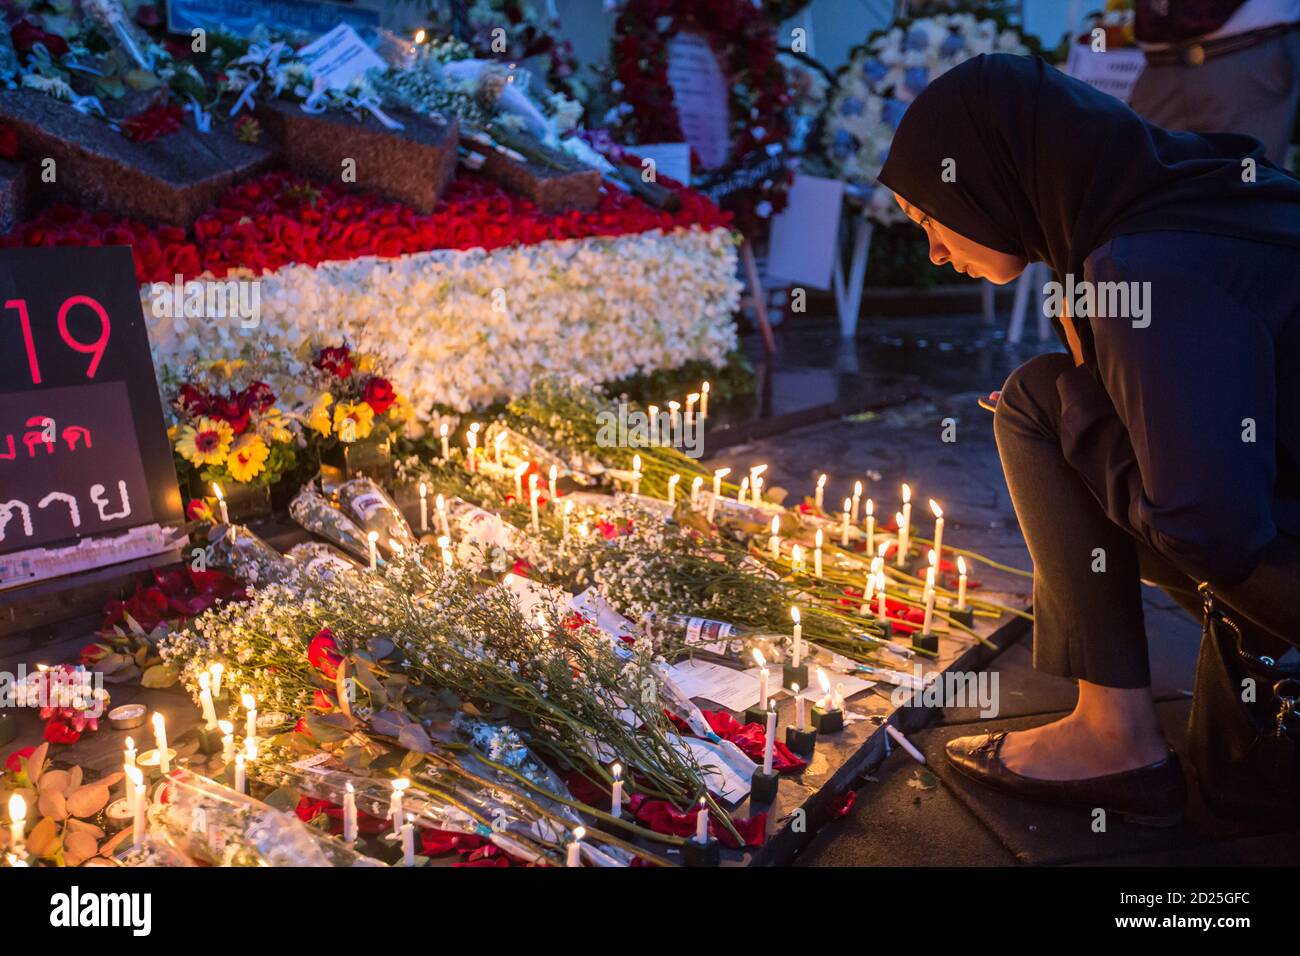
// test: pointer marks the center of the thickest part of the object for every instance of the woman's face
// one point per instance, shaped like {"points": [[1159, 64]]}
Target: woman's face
{"points": [[964, 255]]}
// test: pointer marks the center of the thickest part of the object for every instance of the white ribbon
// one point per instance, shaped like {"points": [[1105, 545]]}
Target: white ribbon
{"points": [[202, 118]]}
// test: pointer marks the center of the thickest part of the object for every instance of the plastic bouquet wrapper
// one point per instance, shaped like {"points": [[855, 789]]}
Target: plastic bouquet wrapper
{"points": [[370, 507], [311, 510], [322, 561], [471, 523], [214, 825], [519, 447], [238, 550], [502, 744]]}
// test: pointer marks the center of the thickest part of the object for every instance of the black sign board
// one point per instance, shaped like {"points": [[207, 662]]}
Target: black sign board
{"points": [[83, 448]]}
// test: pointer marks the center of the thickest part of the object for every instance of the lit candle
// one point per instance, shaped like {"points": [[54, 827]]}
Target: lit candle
{"points": [[240, 782], [532, 481], [205, 700], [128, 753], [718, 475], [821, 492], [798, 707], [905, 526], [444, 543], [573, 856], [696, 485], [134, 778], [672, 489], [871, 526], [160, 741], [868, 588], [471, 440], [551, 478], [763, 675], [616, 796], [691, 399], [796, 558], [817, 554], [349, 814], [250, 717], [757, 489], [797, 648], [769, 741], [654, 424], [636, 474], [776, 537], [568, 510], [882, 614], [702, 823], [704, 399], [227, 740], [844, 523], [961, 584], [837, 702], [443, 525], [372, 537], [825, 682], [496, 446], [744, 490], [938, 530], [250, 749], [408, 841], [674, 422], [713, 504], [424, 508], [754, 473], [217, 670], [929, 596], [221, 503], [446, 448], [141, 804], [17, 822], [395, 811], [857, 499], [532, 504]]}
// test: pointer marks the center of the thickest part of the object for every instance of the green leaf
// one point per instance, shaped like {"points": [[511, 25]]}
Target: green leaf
{"points": [[160, 675], [141, 80], [283, 798]]}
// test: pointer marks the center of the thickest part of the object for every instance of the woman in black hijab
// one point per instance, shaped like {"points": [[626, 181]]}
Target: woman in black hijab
{"points": [[1166, 446]]}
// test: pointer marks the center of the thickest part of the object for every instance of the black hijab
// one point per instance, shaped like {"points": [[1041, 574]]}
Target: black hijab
{"points": [[1049, 169]]}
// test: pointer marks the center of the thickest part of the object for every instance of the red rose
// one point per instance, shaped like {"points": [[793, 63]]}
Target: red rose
{"points": [[379, 395], [337, 360], [14, 762], [322, 654], [26, 35], [257, 396], [153, 123], [61, 731]]}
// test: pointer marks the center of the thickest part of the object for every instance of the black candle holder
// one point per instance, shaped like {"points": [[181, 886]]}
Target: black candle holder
{"points": [[756, 715], [886, 629], [762, 787], [794, 675], [695, 853], [802, 740], [209, 740], [965, 615], [925, 642], [828, 721]]}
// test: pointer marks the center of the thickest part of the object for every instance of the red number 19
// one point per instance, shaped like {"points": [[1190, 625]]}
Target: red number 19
{"points": [[95, 348]]}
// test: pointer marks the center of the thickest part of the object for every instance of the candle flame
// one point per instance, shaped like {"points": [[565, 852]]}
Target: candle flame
{"points": [[216, 490], [674, 405], [674, 479], [441, 502], [704, 387], [158, 722], [205, 680], [617, 771], [520, 469], [961, 565], [420, 35], [636, 462], [579, 833], [400, 784], [226, 728], [871, 507], [794, 614], [722, 473], [372, 537], [757, 470], [935, 509], [568, 507], [135, 775], [692, 398], [17, 808], [759, 659], [554, 473], [499, 440], [934, 558], [821, 482], [130, 743], [349, 786], [907, 492], [857, 489], [819, 539], [695, 485], [473, 429], [794, 689], [848, 505], [824, 681], [776, 525], [442, 430], [424, 490], [249, 702]]}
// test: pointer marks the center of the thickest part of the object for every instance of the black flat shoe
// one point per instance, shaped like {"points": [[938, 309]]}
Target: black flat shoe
{"points": [[1152, 796]]}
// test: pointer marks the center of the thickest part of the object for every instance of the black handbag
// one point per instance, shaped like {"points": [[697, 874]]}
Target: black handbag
{"points": [[1244, 731]]}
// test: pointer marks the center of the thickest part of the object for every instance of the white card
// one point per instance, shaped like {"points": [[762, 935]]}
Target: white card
{"points": [[339, 57], [805, 235], [671, 159], [726, 772], [725, 686]]}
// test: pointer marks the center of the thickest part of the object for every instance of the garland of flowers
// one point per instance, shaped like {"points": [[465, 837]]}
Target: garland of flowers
{"points": [[744, 40], [884, 75]]}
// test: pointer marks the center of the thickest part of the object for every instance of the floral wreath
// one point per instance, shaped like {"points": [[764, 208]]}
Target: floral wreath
{"points": [[744, 41], [884, 75]]}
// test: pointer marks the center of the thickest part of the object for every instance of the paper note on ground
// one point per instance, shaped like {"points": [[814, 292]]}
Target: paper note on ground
{"points": [[727, 776], [339, 57], [725, 686]]}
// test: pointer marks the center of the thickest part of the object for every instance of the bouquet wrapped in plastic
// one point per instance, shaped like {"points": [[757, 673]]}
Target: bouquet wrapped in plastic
{"points": [[362, 500], [310, 509]]}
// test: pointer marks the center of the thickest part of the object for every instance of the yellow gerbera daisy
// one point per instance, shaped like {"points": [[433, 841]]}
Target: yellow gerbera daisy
{"points": [[206, 443], [353, 422], [276, 425], [248, 457], [319, 416]]}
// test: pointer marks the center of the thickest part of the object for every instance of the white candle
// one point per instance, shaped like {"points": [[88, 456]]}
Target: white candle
{"points": [[239, 773], [160, 741], [551, 479], [674, 422], [821, 492], [128, 753], [446, 448], [718, 475], [227, 740], [744, 490], [696, 485], [672, 489], [961, 584], [817, 554], [17, 822], [350, 815], [573, 856], [221, 503], [217, 670], [900, 553], [905, 527], [691, 399], [868, 588], [443, 525], [938, 530], [395, 811], [250, 749], [857, 499], [205, 700], [702, 823], [471, 440], [568, 510], [929, 596], [837, 702], [797, 643], [763, 675], [408, 842], [496, 446], [138, 821], [372, 537], [444, 543], [881, 608], [532, 503], [798, 707], [758, 490], [636, 474], [424, 508], [776, 537], [134, 778], [250, 717], [754, 474], [871, 526], [825, 683], [713, 504], [796, 558], [654, 424], [844, 523], [769, 742], [704, 399], [616, 796]]}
